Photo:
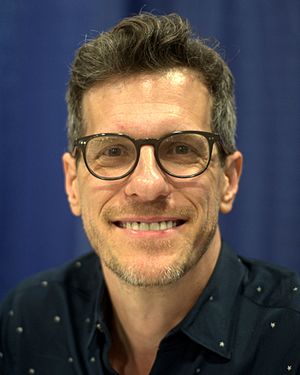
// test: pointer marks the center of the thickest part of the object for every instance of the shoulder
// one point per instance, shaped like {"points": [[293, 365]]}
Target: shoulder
{"points": [[271, 286], [77, 275], [53, 287], [65, 277], [35, 306], [270, 314]]}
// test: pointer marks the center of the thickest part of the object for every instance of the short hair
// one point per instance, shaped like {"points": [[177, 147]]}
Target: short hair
{"points": [[148, 43]]}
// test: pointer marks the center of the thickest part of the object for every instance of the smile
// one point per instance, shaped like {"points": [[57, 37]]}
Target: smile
{"points": [[154, 226]]}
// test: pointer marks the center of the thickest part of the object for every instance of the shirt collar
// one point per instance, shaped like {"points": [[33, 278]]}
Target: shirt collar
{"points": [[211, 323], [100, 305]]}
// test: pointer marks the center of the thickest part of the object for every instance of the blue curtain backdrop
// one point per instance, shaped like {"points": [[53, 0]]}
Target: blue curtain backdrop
{"points": [[261, 43]]}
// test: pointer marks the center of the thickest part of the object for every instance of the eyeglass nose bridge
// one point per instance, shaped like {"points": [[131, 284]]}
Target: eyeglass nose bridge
{"points": [[147, 142]]}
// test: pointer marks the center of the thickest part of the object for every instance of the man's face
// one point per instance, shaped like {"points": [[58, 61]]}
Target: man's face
{"points": [[149, 106]]}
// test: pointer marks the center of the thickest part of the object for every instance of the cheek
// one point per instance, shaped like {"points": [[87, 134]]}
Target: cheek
{"points": [[205, 196], [96, 195], [92, 204]]}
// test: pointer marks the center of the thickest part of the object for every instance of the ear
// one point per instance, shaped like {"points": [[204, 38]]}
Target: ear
{"points": [[232, 173], [71, 183]]}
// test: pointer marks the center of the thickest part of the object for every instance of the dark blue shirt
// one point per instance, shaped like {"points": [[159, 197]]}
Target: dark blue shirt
{"points": [[246, 322]]}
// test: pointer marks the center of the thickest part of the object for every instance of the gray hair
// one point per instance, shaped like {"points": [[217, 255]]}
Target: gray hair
{"points": [[148, 43]]}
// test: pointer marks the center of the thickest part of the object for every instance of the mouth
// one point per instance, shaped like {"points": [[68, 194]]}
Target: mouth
{"points": [[149, 226]]}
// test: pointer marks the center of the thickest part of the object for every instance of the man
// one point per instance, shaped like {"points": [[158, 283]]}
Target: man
{"points": [[152, 161]]}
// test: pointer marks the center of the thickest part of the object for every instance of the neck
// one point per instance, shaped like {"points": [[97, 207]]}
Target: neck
{"points": [[143, 316]]}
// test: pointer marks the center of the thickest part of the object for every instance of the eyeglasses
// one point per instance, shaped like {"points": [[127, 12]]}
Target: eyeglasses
{"points": [[181, 154]]}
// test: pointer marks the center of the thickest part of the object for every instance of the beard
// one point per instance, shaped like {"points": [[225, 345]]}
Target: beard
{"points": [[163, 262]]}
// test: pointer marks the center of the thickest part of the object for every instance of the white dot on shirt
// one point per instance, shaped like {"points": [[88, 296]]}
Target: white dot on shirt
{"points": [[78, 264], [19, 329], [44, 283], [92, 359], [11, 313], [70, 360], [1, 355], [31, 371], [57, 319], [289, 368]]}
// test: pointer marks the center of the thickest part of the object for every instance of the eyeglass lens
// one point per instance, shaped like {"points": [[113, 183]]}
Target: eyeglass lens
{"points": [[110, 156], [179, 154], [184, 154]]}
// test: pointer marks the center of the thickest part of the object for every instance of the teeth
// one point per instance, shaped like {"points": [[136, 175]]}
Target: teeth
{"points": [[134, 226], [154, 226], [162, 225], [143, 226]]}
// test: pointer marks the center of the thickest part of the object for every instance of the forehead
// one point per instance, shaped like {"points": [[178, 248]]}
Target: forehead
{"points": [[148, 103]]}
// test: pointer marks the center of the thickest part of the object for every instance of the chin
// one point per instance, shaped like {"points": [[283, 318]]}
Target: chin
{"points": [[149, 274]]}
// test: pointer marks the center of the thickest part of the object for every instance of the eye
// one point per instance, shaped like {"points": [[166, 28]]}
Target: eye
{"points": [[181, 149], [113, 151]]}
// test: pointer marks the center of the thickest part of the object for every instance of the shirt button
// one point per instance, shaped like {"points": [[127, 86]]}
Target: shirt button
{"points": [[198, 370], [44, 283], [70, 360], [11, 313], [93, 359], [1, 355], [31, 371], [78, 264]]}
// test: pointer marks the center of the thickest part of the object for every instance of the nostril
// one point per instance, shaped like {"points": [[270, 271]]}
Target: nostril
{"points": [[147, 187]]}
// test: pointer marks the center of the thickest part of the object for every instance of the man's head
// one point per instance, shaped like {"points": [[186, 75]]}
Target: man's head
{"points": [[151, 44], [148, 80]]}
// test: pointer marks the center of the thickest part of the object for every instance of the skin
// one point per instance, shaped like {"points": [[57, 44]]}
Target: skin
{"points": [[146, 272]]}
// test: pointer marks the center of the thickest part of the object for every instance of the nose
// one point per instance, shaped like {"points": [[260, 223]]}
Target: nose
{"points": [[147, 182]]}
